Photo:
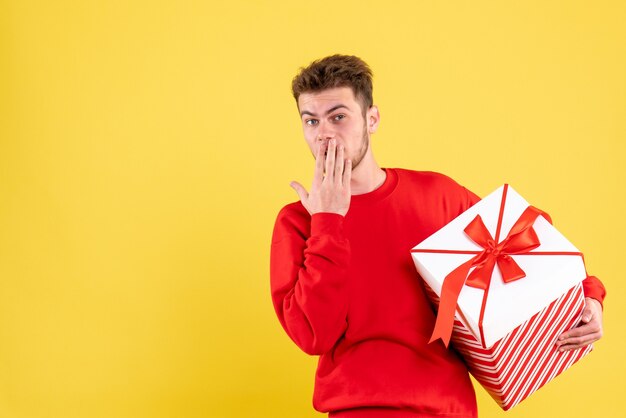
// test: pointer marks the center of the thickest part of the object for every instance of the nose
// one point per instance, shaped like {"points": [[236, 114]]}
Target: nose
{"points": [[325, 132]]}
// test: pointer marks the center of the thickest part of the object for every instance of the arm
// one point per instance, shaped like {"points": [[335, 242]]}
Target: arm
{"points": [[308, 266], [308, 281]]}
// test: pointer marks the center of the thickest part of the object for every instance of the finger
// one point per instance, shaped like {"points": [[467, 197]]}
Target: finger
{"points": [[583, 329], [583, 336], [339, 164], [330, 159], [318, 175], [572, 333], [571, 347], [347, 173], [582, 339], [577, 343], [302, 193], [587, 314]]}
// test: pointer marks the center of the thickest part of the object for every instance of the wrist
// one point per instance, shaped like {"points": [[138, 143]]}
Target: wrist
{"points": [[590, 300], [326, 223]]}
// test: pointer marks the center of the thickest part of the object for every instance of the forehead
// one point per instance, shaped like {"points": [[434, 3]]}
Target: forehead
{"points": [[320, 100]]}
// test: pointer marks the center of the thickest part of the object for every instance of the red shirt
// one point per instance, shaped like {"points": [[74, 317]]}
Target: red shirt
{"points": [[346, 289]]}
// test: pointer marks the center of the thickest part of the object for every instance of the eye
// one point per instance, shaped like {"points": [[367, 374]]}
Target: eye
{"points": [[339, 116], [311, 122]]}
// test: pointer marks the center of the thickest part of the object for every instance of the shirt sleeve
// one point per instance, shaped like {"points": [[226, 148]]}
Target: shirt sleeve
{"points": [[593, 288], [308, 279]]}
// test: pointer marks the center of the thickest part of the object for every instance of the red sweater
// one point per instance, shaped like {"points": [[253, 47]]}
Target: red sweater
{"points": [[346, 288]]}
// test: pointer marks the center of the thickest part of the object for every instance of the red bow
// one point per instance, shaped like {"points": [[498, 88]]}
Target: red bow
{"points": [[520, 240]]}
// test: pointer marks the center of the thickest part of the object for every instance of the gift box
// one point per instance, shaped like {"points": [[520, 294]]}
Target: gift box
{"points": [[506, 284]]}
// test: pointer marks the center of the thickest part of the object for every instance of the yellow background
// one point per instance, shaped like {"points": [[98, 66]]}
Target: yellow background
{"points": [[146, 147]]}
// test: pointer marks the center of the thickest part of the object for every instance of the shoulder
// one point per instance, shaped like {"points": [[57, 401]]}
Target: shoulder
{"points": [[435, 189], [431, 180]]}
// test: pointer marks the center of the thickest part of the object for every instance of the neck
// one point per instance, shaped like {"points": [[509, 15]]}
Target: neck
{"points": [[367, 176]]}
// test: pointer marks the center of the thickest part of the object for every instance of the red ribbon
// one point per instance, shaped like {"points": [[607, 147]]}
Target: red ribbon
{"points": [[521, 239]]}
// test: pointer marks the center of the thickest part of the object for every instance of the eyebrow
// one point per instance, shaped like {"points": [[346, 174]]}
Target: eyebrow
{"points": [[331, 110]]}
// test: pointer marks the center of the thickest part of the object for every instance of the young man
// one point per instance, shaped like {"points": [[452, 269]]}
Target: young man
{"points": [[343, 283]]}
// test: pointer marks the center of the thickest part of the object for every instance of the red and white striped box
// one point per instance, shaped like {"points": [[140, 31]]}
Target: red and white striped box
{"points": [[527, 358], [513, 296]]}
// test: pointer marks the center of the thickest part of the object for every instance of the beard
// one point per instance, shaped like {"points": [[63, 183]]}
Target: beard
{"points": [[365, 141]]}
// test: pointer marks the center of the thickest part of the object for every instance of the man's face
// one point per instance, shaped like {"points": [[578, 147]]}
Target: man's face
{"points": [[335, 113]]}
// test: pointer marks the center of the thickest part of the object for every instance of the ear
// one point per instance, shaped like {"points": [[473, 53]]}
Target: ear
{"points": [[373, 119]]}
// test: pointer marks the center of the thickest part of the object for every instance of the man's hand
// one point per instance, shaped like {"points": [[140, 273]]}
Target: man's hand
{"points": [[330, 191], [588, 331]]}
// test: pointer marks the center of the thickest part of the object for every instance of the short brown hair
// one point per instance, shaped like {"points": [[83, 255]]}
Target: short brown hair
{"points": [[336, 71]]}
